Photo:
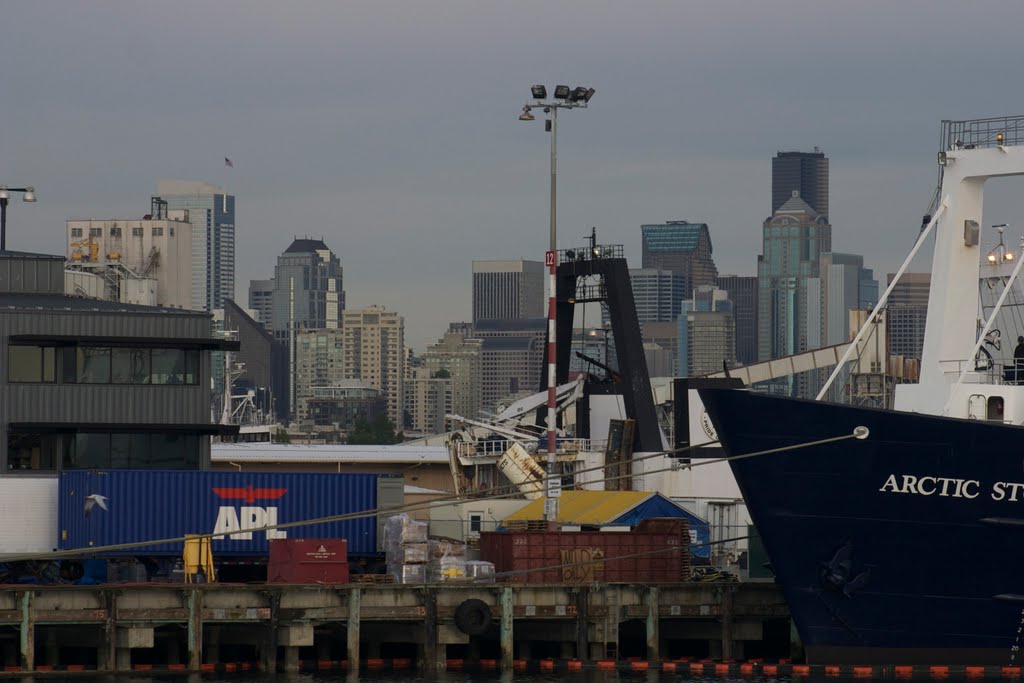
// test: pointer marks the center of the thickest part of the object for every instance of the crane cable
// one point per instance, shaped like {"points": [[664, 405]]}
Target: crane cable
{"points": [[858, 433]]}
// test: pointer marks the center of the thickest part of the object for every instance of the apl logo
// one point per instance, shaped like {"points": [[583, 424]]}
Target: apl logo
{"points": [[236, 521]]}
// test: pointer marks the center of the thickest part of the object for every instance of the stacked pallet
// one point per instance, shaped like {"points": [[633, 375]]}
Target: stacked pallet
{"points": [[405, 549]]}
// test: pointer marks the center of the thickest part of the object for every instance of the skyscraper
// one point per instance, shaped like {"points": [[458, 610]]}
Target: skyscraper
{"points": [[657, 294], [374, 352], [742, 290], [308, 288], [318, 364], [261, 300], [212, 214], [460, 358], [793, 240], [307, 295], [683, 248], [845, 285], [906, 313], [707, 333], [803, 172], [508, 290]]}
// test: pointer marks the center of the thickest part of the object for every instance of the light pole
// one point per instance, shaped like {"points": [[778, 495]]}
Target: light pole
{"points": [[29, 195], [564, 98]]}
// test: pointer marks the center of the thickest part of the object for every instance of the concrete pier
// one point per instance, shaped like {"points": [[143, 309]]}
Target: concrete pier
{"points": [[276, 627]]}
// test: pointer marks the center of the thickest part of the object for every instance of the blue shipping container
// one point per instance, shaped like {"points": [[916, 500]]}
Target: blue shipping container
{"points": [[145, 505]]}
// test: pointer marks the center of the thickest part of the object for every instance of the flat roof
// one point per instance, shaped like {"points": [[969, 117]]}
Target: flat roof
{"points": [[297, 453], [21, 301]]}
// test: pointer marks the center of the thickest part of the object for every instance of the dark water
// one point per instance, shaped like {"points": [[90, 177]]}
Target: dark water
{"points": [[458, 677], [412, 677]]}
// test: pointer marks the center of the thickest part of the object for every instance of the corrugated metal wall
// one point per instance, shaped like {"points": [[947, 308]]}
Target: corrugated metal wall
{"points": [[156, 505], [97, 403]]}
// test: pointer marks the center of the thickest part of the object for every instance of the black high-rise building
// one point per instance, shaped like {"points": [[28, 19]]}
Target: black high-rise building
{"points": [[743, 295], [805, 172]]}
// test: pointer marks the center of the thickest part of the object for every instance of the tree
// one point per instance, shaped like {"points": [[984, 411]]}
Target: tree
{"points": [[379, 431], [281, 436]]}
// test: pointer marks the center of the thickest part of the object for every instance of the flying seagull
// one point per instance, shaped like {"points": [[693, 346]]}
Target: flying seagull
{"points": [[94, 500]]}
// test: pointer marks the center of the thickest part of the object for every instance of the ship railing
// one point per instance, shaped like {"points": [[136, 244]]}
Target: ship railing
{"points": [[979, 133], [494, 448], [999, 371]]}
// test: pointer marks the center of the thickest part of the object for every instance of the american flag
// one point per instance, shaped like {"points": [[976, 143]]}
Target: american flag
{"points": [[227, 162]]}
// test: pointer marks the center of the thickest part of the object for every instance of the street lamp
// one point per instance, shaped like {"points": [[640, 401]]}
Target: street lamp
{"points": [[28, 195], [564, 98]]}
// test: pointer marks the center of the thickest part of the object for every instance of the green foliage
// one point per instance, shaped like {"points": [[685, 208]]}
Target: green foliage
{"points": [[379, 431], [281, 436]]}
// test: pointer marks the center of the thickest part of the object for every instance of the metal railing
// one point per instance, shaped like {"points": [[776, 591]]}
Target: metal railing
{"points": [[494, 448], [980, 133], [591, 252], [999, 371]]}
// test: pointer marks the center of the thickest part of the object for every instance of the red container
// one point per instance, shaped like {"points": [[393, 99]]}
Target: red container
{"points": [[308, 560], [639, 556]]}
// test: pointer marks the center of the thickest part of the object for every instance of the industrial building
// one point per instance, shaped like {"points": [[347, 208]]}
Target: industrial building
{"points": [[87, 383]]}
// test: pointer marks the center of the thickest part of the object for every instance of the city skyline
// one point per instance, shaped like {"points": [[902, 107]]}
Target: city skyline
{"points": [[409, 188]]}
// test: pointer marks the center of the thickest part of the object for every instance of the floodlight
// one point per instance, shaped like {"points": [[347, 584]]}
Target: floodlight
{"points": [[578, 94], [539, 92], [561, 92], [526, 115], [590, 93], [30, 194]]}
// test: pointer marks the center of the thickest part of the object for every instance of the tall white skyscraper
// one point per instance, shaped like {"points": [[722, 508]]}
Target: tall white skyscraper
{"points": [[212, 214]]}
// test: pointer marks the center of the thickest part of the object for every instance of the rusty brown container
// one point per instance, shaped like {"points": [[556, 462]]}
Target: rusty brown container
{"points": [[639, 556], [308, 560]]}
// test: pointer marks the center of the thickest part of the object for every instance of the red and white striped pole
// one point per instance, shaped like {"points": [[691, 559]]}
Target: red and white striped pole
{"points": [[553, 484]]}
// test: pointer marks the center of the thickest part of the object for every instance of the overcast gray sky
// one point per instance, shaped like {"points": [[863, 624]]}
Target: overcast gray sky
{"points": [[391, 129]]}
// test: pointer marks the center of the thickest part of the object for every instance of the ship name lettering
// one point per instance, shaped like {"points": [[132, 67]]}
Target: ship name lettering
{"points": [[947, 487], [1008, 490]]}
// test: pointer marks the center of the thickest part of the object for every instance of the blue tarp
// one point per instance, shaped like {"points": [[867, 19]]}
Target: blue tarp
{"points": [[660, 506]]}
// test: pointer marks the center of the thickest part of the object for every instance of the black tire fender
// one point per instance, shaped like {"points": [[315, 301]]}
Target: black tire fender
{"points": [[473, 617]]}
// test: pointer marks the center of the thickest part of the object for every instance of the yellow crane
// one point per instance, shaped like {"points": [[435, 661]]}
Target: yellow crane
{"points": [[93, 249]]}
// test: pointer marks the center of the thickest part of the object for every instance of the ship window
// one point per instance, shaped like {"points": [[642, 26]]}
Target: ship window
{"points": [[995, 408]]}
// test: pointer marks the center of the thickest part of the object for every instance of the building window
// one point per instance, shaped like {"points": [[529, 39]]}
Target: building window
{"points": [[130, 366], [476, 522], [158, 232], [120, 450], [93, 365], [115, 232], [95, 232], [136, 232], [76, 232], [171, 231], [104, 365], [27, 452], [31, 364]]}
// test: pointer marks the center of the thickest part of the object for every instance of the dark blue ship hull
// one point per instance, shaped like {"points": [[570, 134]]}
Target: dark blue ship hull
{"points": [[903, 548]]}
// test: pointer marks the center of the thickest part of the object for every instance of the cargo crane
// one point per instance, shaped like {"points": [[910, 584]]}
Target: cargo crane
{"points": [[90, 244]]}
